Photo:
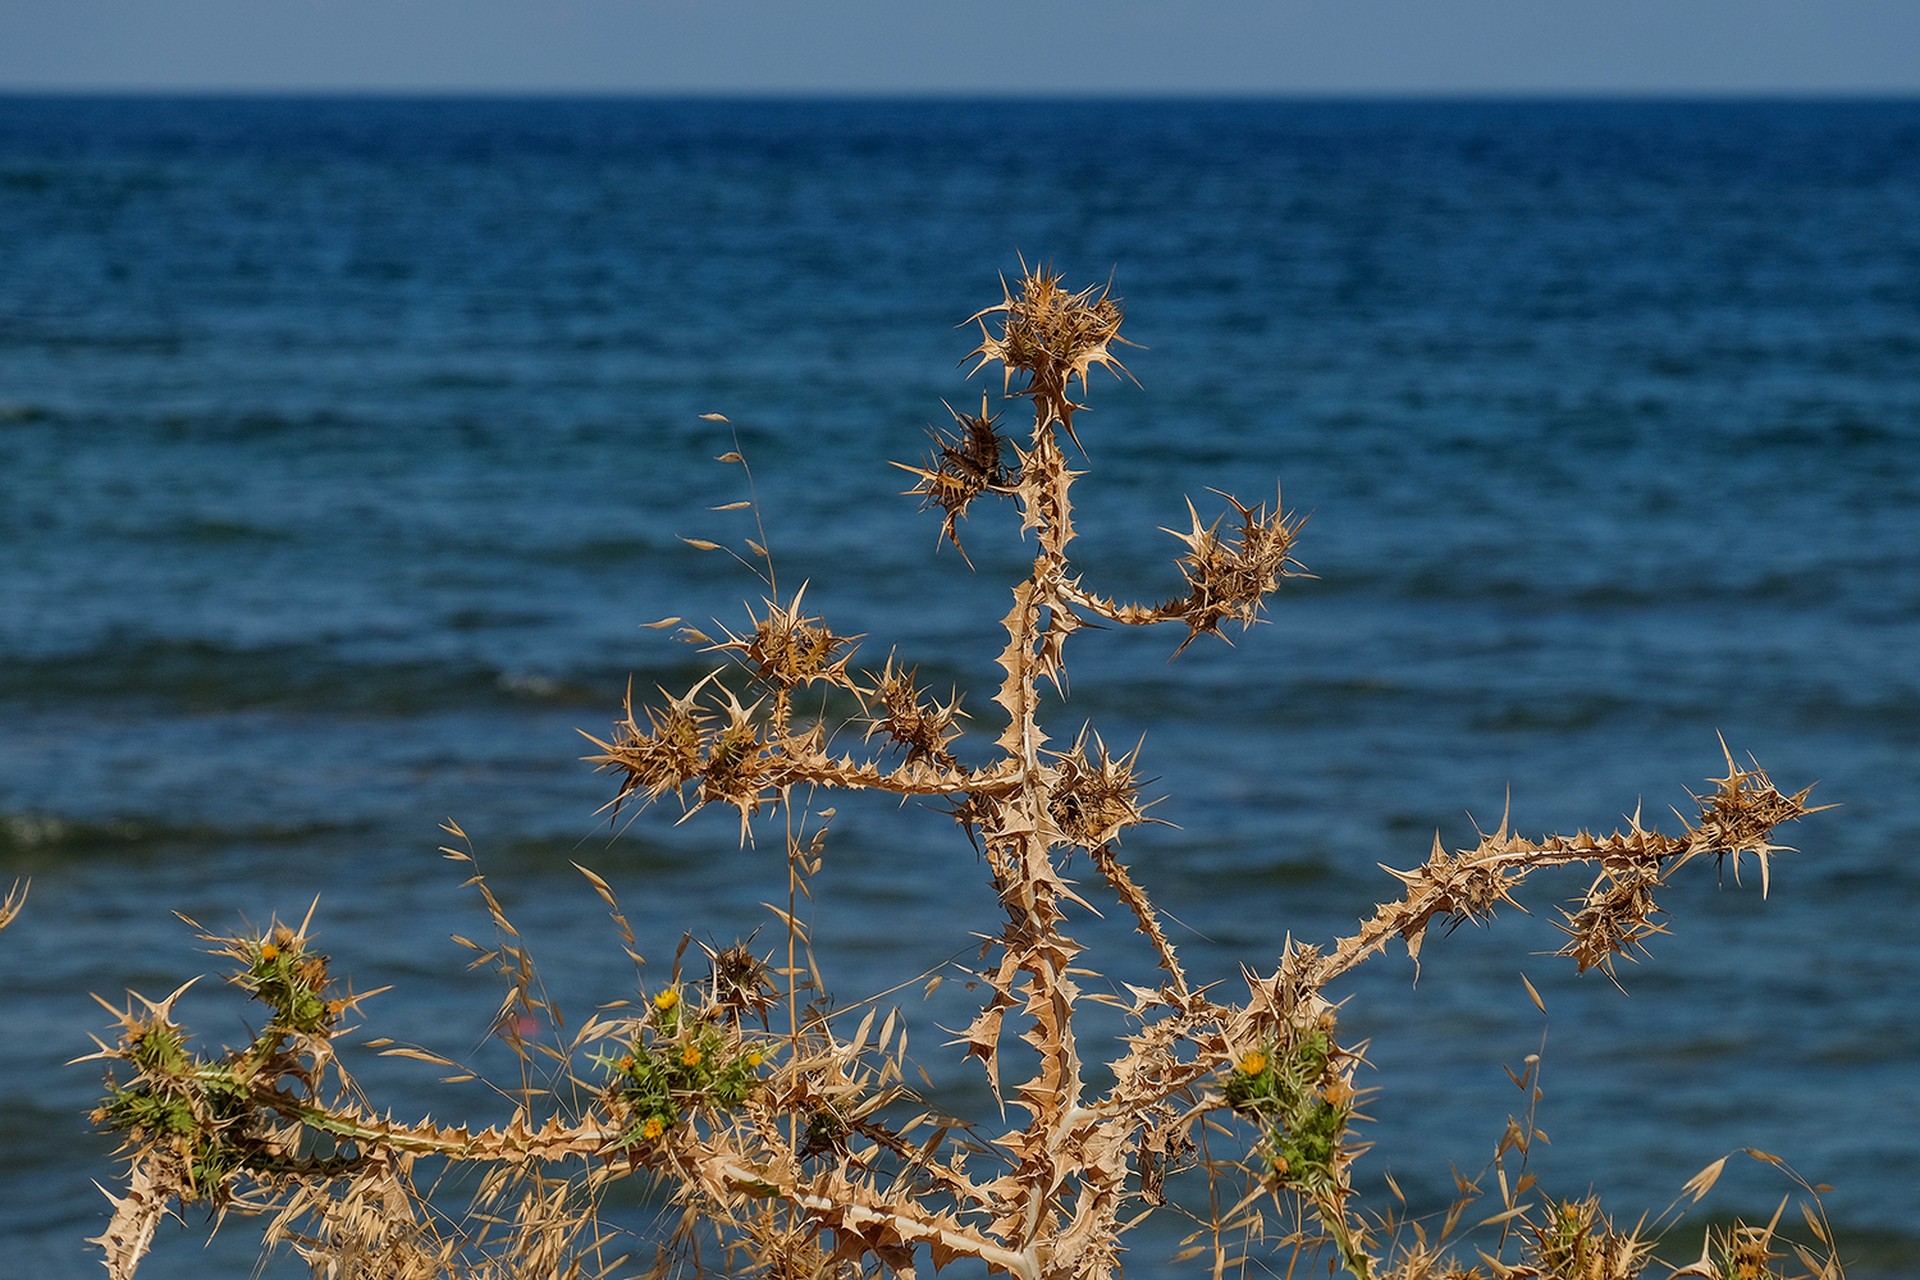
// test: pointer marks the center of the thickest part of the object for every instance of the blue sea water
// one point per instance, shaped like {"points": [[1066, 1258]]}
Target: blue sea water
{"points": [[345, 445]]}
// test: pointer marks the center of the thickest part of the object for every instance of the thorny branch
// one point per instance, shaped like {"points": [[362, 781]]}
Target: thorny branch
{"points": [[795, 1148]]}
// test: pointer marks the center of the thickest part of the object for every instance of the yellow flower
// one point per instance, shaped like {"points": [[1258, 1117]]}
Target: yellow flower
{"points": [[652, 1128], [1253, 1064], [269, 952], [626, 1062], [691, 1055], [754, 1058], [666, 1000]]}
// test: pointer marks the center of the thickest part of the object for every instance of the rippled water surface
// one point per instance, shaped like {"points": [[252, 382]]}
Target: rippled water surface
{"points": [[345, 446]]}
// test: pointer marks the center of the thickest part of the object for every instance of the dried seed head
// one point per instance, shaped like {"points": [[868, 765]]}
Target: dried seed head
{"points": [[662, 757], [1230, 579], [964, 465], [1740, 817], [902, 712], [1052, 337], [1576, 1241], [735, 769], [1615, 918], [787, 649], [1094, 797], [739, 983]]}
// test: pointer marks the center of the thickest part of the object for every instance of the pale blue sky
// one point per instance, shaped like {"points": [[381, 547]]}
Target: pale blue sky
{"points": [[991, 46]]}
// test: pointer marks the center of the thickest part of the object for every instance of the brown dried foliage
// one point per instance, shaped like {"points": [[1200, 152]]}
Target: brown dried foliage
{"points": [[783, 1127]]}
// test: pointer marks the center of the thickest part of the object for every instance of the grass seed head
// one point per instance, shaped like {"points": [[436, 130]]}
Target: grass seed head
{"points": [[13, 903]]}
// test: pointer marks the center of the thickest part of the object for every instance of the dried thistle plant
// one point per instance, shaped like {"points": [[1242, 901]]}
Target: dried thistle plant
{"points": [[780, 1122]]}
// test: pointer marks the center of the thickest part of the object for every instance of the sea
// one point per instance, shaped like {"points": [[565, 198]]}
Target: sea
{"points": [[348, 445]]}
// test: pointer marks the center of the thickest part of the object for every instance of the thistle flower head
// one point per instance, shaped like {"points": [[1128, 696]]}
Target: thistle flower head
{"points": [[902, 712], [739, 983], [787, 648], [1095, 795], [1051, 337], [965, 464], [660, 757], [1230, 577], [1740, 814]]}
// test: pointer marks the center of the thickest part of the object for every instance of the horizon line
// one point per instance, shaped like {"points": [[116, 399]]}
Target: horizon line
{"points": [[902, 95]]}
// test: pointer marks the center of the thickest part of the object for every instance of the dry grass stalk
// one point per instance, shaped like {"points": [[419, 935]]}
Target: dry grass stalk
{"points": [[799, 1151], [14, 903]]}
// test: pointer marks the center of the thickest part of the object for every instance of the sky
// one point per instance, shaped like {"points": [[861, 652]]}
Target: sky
{"points": [[1106, 47]]}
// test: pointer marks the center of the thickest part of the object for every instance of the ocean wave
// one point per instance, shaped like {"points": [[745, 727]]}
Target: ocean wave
{"points": [[200, 676], [39, 835], [14, 413]]}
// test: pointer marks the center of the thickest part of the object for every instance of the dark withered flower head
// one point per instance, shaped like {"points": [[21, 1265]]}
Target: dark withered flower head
{"points": [[966, 463]]}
